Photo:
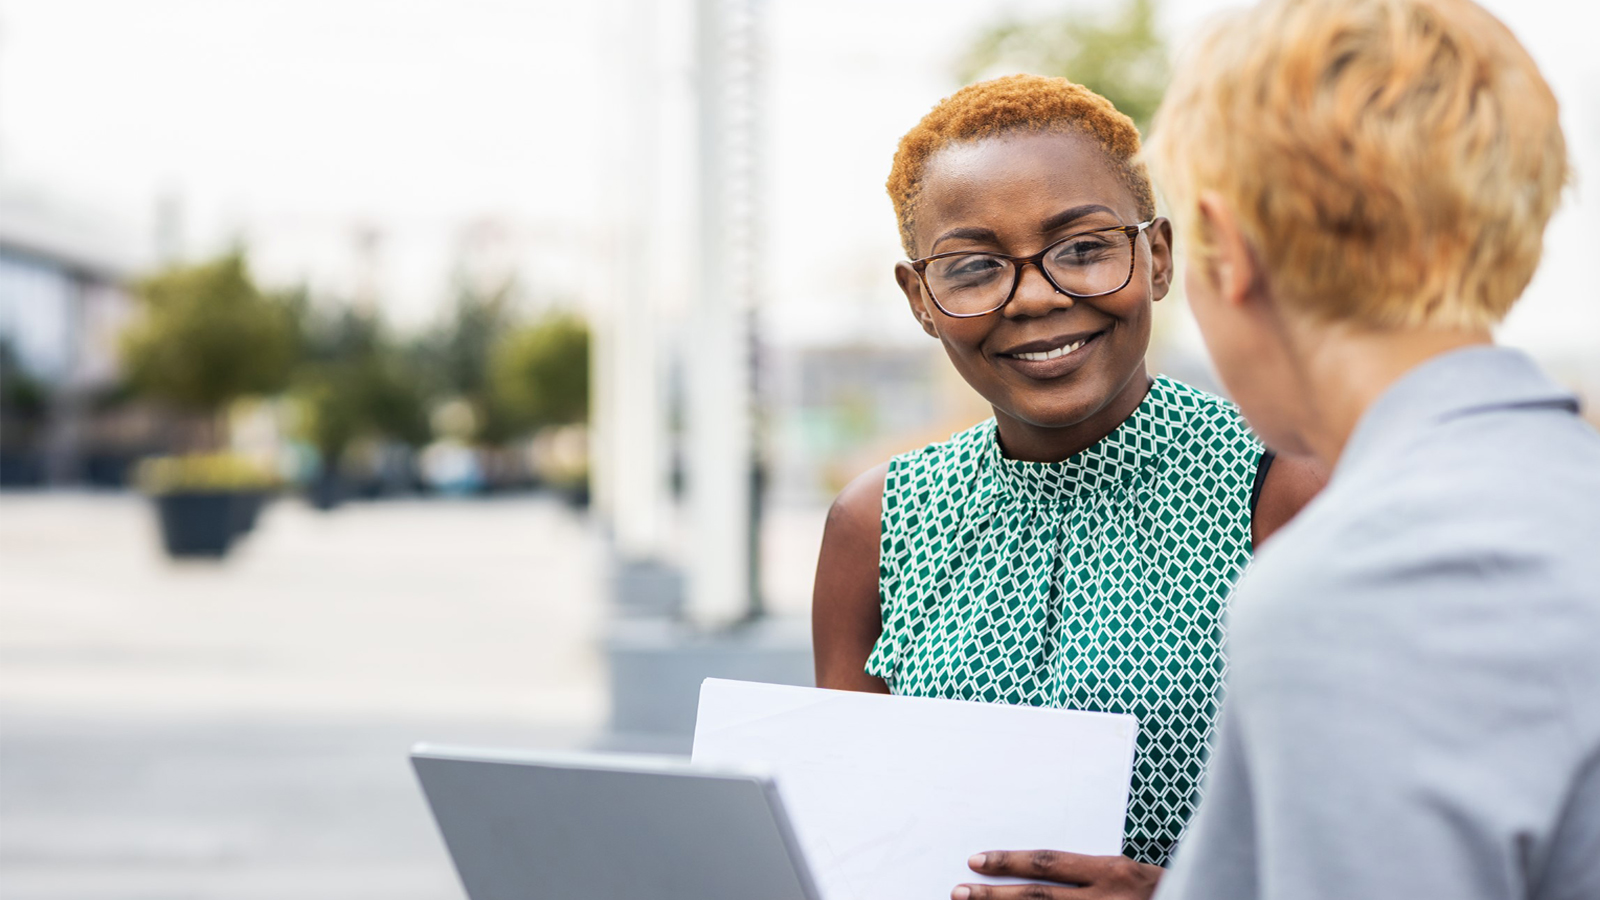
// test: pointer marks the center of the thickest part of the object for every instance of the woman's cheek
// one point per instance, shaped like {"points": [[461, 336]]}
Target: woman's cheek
{"points": [[964, 340]]}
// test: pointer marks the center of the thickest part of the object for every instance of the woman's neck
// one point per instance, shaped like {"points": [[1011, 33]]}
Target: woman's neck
{"points": [[1344, 371], [1028, 442]]}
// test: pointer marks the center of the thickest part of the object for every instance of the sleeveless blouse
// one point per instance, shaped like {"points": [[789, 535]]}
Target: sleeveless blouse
{"points": [[1096, 583]]}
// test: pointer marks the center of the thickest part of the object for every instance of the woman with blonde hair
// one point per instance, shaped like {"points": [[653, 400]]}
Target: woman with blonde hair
{"points": [[1413, 694]]}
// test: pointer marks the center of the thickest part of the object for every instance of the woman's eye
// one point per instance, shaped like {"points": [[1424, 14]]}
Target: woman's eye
{"points": [[1082, 251], [967, 267]]}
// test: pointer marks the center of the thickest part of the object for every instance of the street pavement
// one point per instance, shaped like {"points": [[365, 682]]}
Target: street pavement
{"points": [[239, 729]]}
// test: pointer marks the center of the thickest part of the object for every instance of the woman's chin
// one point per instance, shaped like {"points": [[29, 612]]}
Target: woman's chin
{"points": [[1052, 415], [1090, 402]]}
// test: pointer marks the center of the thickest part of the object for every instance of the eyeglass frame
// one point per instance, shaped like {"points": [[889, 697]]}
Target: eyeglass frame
{"points": [[1021, 262]]}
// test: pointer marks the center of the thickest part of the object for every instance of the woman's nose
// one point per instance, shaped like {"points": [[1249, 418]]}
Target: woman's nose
{"points": [[1035, 295]]}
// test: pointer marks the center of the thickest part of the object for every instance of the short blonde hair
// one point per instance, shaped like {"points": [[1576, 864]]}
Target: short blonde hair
{"points": [[1008, 105], [1394, 162]]}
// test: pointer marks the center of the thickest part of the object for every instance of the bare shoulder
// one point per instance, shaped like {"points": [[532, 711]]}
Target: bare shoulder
{"points": [[1291, 483], [845, 616], [860, 505]]}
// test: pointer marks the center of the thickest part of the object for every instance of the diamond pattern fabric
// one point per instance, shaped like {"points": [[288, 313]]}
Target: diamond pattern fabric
{"points": [[1096, 583]]}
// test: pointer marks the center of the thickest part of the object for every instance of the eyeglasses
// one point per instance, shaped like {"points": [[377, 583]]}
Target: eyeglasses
{"points": [[1094, 263]]}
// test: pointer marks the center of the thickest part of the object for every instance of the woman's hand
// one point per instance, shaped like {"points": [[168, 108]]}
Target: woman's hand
{"points": [[1070, 876]]}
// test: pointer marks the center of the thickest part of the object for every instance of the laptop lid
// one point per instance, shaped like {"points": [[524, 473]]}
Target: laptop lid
{"points": [[529, 826]]}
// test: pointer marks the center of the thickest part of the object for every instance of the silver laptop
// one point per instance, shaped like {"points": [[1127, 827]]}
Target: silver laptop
{"points": [[531, 826]]}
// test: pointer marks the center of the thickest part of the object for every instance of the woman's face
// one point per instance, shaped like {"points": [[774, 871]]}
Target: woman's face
{"points": [[1016, 195]]}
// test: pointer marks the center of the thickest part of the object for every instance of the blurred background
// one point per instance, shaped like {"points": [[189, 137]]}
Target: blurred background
{"points": [[474, 372]]}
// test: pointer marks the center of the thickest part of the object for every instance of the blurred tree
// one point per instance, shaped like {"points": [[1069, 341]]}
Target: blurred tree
{"points": [[1111, 47], [466, 343], [456, 355], [329, 416], [208, 336], [539, 375], [355, 381]]}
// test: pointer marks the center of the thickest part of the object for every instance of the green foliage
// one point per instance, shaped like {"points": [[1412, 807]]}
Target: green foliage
{"points": [[456, 355], [1121, 57], [203, 472], [354, 381], [396, 404], [21, 394], [208, 336], [459, 352], [517, 379], [329, 414], [539, 375]]}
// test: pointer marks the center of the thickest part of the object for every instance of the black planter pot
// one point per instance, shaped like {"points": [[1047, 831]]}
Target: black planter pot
{"points": [[247, 507], [197, 524]]}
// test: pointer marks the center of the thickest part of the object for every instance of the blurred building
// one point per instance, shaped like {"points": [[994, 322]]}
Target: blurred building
{"points": [[62, 309], [836, 408]]}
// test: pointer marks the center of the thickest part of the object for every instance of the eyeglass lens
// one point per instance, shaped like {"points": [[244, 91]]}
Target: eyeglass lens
{"points": [[1095, 263]]}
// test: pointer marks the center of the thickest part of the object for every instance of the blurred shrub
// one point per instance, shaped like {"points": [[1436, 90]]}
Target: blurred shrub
{"points": [[539, 375], [355, 381], [207, 336], [482, 376], [203, 473], [1120, 56]]}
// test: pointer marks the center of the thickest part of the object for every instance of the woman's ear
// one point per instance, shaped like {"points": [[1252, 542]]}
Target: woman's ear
{"points": [[1231, 267], [1160, 234], [911, 286]]}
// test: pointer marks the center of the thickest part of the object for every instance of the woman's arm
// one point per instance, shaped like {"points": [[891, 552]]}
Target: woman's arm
{"points": [[1291, 483], [845, 617]]}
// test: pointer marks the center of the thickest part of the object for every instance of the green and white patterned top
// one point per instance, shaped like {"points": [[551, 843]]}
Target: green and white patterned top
{"points": [[1096, 583]]}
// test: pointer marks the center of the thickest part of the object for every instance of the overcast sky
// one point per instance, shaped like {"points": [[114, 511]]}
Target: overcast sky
{"points": [[294, 122]]}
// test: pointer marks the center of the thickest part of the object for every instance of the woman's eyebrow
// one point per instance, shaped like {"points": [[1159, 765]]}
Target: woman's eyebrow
{"points": [[971, 233], [1060, 219], [1068, 216]]}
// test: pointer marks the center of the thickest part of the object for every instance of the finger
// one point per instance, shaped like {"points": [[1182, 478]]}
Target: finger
{"points": [[1015, 892], [1045, 865]]}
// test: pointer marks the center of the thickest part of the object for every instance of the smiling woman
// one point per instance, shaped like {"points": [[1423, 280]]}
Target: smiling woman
{"points": [[1076, 550]]}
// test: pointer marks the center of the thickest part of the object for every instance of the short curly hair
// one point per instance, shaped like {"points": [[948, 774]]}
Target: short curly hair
{"points": [[1016, 103]]}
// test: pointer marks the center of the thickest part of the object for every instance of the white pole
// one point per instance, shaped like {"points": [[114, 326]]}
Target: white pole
{"points": [[630, 395], [720, 401], [640, 426]]}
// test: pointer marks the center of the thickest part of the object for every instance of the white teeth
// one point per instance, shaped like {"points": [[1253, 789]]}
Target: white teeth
{"points": [[1051, 354]]}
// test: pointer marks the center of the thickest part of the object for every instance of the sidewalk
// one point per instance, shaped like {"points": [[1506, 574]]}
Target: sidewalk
{"points": [[238, 730]]}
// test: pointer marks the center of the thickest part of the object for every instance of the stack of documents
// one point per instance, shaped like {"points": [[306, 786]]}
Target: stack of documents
{"points": [[889, 796]]}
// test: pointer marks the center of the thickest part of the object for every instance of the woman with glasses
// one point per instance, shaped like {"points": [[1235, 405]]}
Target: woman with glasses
{"points": [[1076, 549]]}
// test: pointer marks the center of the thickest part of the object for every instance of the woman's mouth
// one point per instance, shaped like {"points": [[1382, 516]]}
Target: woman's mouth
{"points": [[1052, 358], [1057, 353]]}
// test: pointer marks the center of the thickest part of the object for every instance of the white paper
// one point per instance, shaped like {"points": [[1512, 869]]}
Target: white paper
{"points": [[889, 796]]}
